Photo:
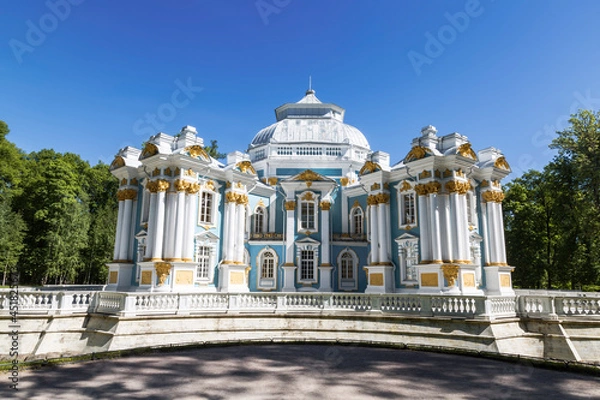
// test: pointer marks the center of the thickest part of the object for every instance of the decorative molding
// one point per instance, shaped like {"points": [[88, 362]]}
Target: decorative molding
{"points": [[344, 181], [197, 151], [163, 269], [459, 187], [425, 189], [272, 181], [117, 163], [416, 153], [150, 149], [308, 175], [246, 167], [502, 163], [290, 205], [492, 196], [465, 150], [369, 167], [450, 272], [425, 174], [127, 194], [325, 205], [375, 186], [159, 185], [405, 186]]}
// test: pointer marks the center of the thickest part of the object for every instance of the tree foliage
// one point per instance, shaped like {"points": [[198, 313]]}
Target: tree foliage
{"points": [[213, 150], [552, 217]]}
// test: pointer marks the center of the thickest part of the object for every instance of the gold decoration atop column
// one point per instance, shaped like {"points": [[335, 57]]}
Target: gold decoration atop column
{"points": [[465, 150], [181, 185], [492, 196], [344, 181], [123, 181], [159, 185], [484, 183], [450, 272], [189, 172], [193, 188], [372, 200], [290, 205], [156, 172], [459, 187], [447, 173], [126, 194], [383, 198], [501, 163], [437, 173], [163, 270], [242, 199], [325, 205], [168, 171], [272, 181], [239, 185], [459, 172], [231, 197], [375, 186], [178, 171], [210, 185], [133, 182], [432, 187]]}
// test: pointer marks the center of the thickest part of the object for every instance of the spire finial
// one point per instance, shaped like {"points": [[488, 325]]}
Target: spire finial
{"points": [[310, 91]]}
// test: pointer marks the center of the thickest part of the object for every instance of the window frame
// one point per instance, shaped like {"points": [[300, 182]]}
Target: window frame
{"points": [[311, 201], [347, 284], [211, 211], [265, 282], [406, 190], [353, 212]]}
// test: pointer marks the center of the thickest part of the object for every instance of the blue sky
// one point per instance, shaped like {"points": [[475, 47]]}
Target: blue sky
{"points": [[83, 76]]}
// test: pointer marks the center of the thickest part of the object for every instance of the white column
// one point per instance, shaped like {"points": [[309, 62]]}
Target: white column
{"points": [[446, 220], [325, 233], [373, 222], [180, 226], [151, 225], [157, 245], [436, 250], [132, 227], [382, 234], [230, 232], [424, 225], [116, 253], [125, 228], [190, 224], [463, 236], [486, 232], [501, 243], [170, 217], [289, 232], [344, 211], [240, 231]]}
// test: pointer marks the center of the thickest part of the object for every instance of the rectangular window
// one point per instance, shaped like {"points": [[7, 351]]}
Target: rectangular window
{"points": [[203, 260], [408, 209], [307, 215], [268, 268], [307, 265], [206, 205]]}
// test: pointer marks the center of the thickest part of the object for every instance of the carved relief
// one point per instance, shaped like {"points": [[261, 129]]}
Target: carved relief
{"points": [[492, 196], [162, 271], [126, 194], [416, 153], [450, 272], [465, 150], [246, 167], [459, 187], [501, 163], [197, 151], [159, 185], [290, 205], [369, 167]]}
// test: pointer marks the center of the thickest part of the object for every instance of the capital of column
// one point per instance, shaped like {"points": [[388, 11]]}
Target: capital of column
{"points": [[325, 205], [492, 196], [425, 189], [181, 185], [192, 188], [127, 194], [459, 187], [159, 185], [290, 205]]}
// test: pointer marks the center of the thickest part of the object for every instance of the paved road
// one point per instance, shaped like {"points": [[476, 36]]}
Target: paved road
{"points": [[299, 372]]}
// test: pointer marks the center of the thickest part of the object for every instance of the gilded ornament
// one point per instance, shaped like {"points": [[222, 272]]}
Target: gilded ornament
{"points": [[465, 150], [425, 174], [210, 185], [433, 187], [416, 153], [239, 185], [308, 184], [371, 200], [459, 172], [459, 187], [156, 172], [189, 172], [168, 171], [193, 188], [181, 185], [197, 151], [149, 150], [308, 175], [260, 203], [383, 198], [375, 186], [177, 171], [308, 196], [484, 183], [356, 204], [231, 197], [447, 173], [290, 205], [123, 181], [450, 272], [163, 270], [421, 190], [369, 167], [227, 185], [325, 205], [134, 182], [501, 163], [126, 194], [245, 167], [437, 173], [344, 181], [242, 199], [493, 196], [405, 186], [118, 162], [386, 186], [272, 181]]}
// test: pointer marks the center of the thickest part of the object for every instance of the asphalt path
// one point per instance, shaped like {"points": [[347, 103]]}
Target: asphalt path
{"points": [[299, 372]]}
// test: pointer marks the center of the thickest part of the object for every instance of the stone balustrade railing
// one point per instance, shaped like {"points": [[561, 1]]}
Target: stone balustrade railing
{"points": [[543, 305]]}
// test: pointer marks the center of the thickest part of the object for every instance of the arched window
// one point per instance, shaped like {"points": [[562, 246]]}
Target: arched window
{"points": [[356, 221], [266, 263], [307, 215], [347, 270], [259, 220]]}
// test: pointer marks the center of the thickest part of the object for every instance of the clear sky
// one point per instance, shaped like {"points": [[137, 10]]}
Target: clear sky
{"points": [[90, 77]]}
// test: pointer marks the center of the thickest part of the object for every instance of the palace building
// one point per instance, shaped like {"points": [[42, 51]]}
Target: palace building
{"points": [[310, 207]]}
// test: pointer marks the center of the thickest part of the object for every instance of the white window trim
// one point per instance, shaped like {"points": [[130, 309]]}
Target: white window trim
{"points": [[313, 246], [401, 210], [202, 240], [364, 219], [354, 270], [314, 200], [213, 207], [265, 219], [408, 256], [266, 283]]}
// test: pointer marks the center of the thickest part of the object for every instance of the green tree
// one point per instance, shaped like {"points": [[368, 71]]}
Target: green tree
{"points": [[213, 150], [11, 164], [12, 232]]}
